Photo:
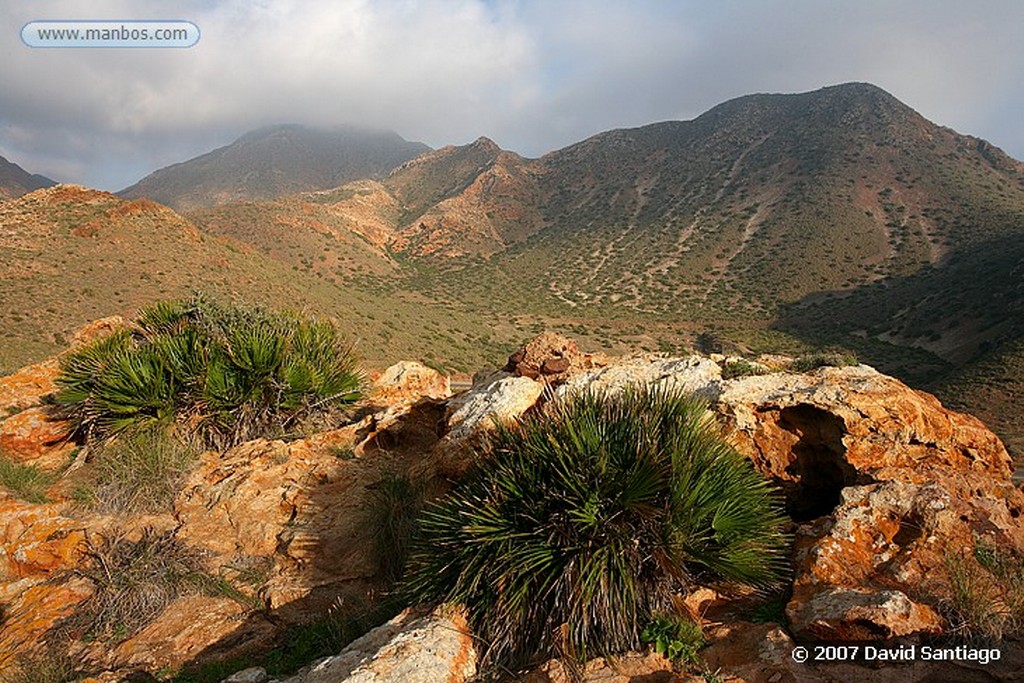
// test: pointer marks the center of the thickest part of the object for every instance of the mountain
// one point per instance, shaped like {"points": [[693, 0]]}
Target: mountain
{"points": [[839, 216], [475, 199], [769, 198], [467, 200], [16, 181], [770, 223], [274, 161]]}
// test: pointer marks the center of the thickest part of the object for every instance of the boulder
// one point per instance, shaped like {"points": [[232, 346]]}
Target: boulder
{"points": [[859, 614], [299, 508], [888, 483], [409, 380], [502, 400], [819, 432], [549, 357], [877, 566], [410, 648], [304, 506], [694, 374]]}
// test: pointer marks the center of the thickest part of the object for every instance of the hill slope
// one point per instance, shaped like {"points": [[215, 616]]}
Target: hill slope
{"points": [[769, 198], [275, 161], [69, 254], [16, 181]]}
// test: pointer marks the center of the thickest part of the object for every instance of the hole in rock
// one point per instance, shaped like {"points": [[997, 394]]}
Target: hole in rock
{"points": [[819, 467], [911, 530]]}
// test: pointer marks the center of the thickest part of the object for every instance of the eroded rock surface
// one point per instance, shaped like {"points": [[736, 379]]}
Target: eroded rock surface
{"points": [[410, 380], [694, 374], [35, 437], [27, 386], [550, 357], [502, 400], [819, 432], [433, 648]]}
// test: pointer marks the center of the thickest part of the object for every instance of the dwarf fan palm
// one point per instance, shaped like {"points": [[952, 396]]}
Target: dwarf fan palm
{"points": [[581, 523]]}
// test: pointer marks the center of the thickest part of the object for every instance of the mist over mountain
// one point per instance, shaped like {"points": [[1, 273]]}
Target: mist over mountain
{"points": [[274, 161], [16, 181]]}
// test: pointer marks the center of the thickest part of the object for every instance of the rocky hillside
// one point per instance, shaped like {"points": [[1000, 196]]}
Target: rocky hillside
{"points": [[893, 499], [274, 161], [834, 217], [91, 254], [16, 181]]}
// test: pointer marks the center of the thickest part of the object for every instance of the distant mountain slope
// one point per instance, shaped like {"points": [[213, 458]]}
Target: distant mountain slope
{"points": [[766, 199], [278, 160], [16, 181], [468, 200], [338, 234]]}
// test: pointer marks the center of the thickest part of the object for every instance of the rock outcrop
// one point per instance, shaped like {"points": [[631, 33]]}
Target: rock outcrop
{"points": [[407, 649], [27, 386], [883, 483], [549, 357]]}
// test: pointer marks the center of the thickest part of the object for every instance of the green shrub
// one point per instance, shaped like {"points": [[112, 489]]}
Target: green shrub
{"points": [[742, 368], [230, 373], [580, 523], [676, 639], [821, 359]]}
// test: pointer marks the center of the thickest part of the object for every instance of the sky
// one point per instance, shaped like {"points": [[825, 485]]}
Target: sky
{"points": [[533, 75]]}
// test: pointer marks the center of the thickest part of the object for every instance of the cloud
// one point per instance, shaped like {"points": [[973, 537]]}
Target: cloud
{"points": [[533, 75]]}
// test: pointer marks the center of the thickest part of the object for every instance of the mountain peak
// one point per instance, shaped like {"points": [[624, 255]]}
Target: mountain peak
{"points": [[483, 143], [276, 160]]}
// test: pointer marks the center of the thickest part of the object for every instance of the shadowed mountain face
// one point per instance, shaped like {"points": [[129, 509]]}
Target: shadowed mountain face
{"points": [[16, 181], [275, 161]]}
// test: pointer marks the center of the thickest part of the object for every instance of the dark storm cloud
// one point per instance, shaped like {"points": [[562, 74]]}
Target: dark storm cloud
{"points": [[533, 75]]}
